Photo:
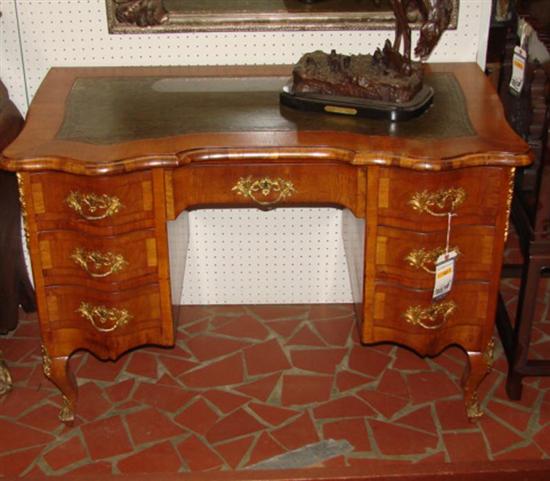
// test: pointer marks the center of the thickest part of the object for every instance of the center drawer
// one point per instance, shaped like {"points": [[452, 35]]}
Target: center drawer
{"points": [[266, 185]]}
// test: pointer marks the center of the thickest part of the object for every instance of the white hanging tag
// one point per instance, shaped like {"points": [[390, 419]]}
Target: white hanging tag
{"points": [[518, 70], [444, 274]]}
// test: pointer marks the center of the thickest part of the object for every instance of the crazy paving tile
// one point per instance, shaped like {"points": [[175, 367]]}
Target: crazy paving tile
{"points": [[284, 328], [142, 364], [44, 417], [14, 436], [305, 337], [347, 406], [177, 365], [106, 437], [272, 415], [70, 452], [393, 439], [167, 398], [169, 410], [160, 458], [148, 425], [198, 417], [266, 357], [499, 436], [225, 401], [244, 327], [542, 438], [98, 370], [228, 370], [529, 452], [386, 404], [368, 361], [197, 455], [20, 462], [120, 391], [264, 448], [238, 423], [420, 418], [451, 414], [465, 446], [335, 332], [324, 361], [430, 386], [346, 380], [234, 451], [21, 399], [301, 389], [510, 414], [206, 346], [352, 430], [297, 433], [93, 402], [260, 389], [406, 360]]}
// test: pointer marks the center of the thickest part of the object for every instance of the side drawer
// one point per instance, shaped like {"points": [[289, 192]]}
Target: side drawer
{"points": [[71, 257], [107, 323], [420, 201], [74, 201], [411, 317], [408, 257], [266, 185]]}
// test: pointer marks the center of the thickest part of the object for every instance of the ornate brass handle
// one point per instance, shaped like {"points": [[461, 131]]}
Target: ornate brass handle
{"points": [[425, 260], [104, 319], [93, 206], [247, 187], [432, 317], [98, 264], [445, 201]]}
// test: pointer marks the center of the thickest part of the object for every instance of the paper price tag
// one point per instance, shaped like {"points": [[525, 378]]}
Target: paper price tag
{"points": [[444, 274], [518, 70]]}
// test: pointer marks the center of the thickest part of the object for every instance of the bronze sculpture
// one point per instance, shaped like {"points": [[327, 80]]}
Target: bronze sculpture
{"points": [[385, 83]]}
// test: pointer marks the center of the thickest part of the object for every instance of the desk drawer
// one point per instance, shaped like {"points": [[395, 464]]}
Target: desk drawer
{"points": [[106, 323], [411, 317], [420, 200], [72, 257], [408, 257], [61, 200], [265, 185]]}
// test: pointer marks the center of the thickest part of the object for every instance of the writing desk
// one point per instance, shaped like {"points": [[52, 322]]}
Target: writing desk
{"points": [[109, 155]]}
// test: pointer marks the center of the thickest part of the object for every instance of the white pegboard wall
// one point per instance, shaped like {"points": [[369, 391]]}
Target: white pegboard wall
{"points": [[234, 256], [279, 256]]}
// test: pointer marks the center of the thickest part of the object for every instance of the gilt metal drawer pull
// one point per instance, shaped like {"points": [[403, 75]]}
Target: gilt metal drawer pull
{"points": [[266, 187], [425, 259], [104, 319], [98, 264], [438, 203], [432, 317], [93, 206]]}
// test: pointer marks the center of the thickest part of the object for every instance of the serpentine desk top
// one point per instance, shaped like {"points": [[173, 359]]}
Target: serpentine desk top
{"points": [[110, 120]]}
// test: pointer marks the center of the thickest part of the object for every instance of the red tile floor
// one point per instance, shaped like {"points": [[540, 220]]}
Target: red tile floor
{"points": [[247, 383]]}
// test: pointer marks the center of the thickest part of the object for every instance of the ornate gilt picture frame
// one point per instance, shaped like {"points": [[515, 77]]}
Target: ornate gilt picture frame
{"points": [[156, 16]]}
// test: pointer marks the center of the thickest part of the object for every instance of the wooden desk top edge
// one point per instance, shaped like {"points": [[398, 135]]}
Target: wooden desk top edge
{"points": [[38, 149]]}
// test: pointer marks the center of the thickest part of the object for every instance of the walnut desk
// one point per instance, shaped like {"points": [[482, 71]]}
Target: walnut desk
{"points": [[109, 155]]}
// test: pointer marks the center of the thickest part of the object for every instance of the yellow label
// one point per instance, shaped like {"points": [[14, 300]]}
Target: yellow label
{"points": [[340, 110]]}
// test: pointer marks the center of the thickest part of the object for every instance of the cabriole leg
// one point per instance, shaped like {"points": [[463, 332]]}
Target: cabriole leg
{"points": [[479, 365], [57, 370]]}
